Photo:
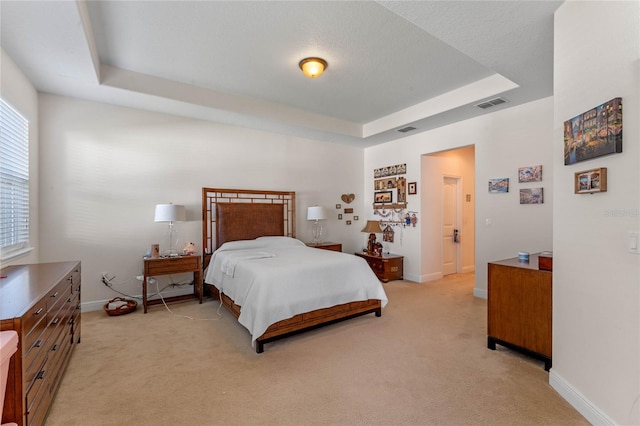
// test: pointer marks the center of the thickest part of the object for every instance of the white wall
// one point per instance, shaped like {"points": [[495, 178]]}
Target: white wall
{"points": [[103, 168], [596, 324], [18, 91], [504, 141]]}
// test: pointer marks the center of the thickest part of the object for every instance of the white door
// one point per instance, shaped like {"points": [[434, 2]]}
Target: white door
{"points": [[449, 226]]}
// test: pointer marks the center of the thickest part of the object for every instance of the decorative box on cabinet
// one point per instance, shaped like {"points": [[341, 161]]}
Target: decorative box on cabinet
{"points": [[519, 307], [387, 267], [41, 302]]}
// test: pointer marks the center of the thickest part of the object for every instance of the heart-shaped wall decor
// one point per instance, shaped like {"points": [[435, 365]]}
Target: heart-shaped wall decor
{"points": [[348, 198]]}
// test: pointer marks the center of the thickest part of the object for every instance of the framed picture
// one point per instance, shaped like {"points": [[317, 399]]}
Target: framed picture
{"points": [[590, 181], [348, 222], [412, 187], [531, 196], [339, 216], [594, 133], [382, 184], [498, 185], [356, 218], [338, 206], [530, 174], [348, 211], [383, 197]]}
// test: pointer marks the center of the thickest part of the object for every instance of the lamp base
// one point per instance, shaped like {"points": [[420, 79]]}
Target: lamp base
{"points": [[316, 232]]}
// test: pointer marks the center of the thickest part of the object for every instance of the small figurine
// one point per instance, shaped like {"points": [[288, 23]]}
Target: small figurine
{"points": [[189, 249]]}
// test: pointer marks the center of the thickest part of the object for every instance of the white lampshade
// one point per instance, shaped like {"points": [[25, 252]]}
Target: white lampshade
{"points": [[316, 213], [170, 213]]}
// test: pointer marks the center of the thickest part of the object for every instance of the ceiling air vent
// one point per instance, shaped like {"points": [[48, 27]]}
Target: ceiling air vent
{"points": [[406, 129], [491, 103]]}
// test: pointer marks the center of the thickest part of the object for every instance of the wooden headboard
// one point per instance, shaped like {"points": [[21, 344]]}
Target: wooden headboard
{"points": [[243, 214]]}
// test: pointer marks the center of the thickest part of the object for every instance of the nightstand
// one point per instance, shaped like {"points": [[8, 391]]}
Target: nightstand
{"points": [[326, 246], [387, 267], [173, 265]]}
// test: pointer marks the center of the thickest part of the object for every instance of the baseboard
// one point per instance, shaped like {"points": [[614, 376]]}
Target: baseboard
{"points": [[467, 269], [98, 305], [585, 407], [431, 277], [411, 277], [482, 293]]}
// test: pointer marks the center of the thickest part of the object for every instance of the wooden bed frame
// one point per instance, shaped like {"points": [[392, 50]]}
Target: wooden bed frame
{"points": [[240, 214]]}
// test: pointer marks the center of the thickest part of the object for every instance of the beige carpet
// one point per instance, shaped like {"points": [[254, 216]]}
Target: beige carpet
{"points": [[424, 362]]}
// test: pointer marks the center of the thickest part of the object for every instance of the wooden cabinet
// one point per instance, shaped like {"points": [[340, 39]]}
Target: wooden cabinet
{"points": [[326, 246], [519, 307], [173, 265], [42, 303], [387, 267]]}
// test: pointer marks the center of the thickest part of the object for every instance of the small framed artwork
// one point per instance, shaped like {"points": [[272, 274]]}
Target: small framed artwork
{"points": [[339, 216], [348, 211], [530, 174], [383, 197], [356, 218], [412, 187], [338, 206], [498, 185], [348, 222], [531, 196], [591, 181]]}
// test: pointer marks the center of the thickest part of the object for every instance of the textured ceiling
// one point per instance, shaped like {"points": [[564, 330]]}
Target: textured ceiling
{"points": [[391, 64]]}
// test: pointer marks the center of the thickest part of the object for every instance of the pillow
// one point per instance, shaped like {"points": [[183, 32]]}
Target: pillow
{"points": [[241, 245], [280, 241]]}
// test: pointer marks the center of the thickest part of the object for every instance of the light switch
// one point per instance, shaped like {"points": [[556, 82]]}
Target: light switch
{"points": [[487, 222], [633, 242]]}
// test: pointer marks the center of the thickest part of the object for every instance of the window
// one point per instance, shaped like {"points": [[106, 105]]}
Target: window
{"points": [[14, 181]]}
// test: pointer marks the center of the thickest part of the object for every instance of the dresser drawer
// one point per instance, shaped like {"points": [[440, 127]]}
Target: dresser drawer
{"points": [[58, 295], [171, 265], [32, 317], [35, 356]]}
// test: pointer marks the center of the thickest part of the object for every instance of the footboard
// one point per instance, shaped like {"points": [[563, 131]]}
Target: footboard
{"points": [[304, 321]]}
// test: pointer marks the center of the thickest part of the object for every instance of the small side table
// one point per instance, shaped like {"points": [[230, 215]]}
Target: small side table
{"points": [[326, 246], [173, 265], [387, 267]]}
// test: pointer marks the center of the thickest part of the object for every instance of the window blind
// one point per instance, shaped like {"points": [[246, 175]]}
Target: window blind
{"points": [[14, 180]]}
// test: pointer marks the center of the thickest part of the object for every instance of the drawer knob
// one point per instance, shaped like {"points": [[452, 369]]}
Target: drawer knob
{"points": [[55, 294], [38, 311]]}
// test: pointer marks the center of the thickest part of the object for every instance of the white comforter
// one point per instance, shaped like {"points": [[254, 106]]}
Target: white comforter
{"points": [[275, 278]]}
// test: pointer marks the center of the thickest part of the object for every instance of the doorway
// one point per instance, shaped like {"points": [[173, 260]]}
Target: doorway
{"points": [[447, 203]]}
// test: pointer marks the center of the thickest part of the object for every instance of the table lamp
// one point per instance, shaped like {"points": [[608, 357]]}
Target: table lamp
{"points": [[373, 228], [316, 213], [170, 213]]}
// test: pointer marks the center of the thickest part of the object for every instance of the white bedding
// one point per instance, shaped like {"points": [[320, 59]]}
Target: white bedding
{"points": [[275, 278]]}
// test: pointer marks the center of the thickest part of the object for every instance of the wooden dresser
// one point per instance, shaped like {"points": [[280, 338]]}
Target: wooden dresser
{"points": [[387, 267], [42, 303], [519, 307]]}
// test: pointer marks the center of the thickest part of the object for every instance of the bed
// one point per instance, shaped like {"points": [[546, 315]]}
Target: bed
{"points": [[271, 282]]}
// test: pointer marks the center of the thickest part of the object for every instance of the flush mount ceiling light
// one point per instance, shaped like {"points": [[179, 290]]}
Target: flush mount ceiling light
{"points": [[313, 67]]}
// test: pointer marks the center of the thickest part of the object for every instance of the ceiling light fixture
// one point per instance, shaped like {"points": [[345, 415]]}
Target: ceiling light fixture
{"points": [[313, 67]]}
